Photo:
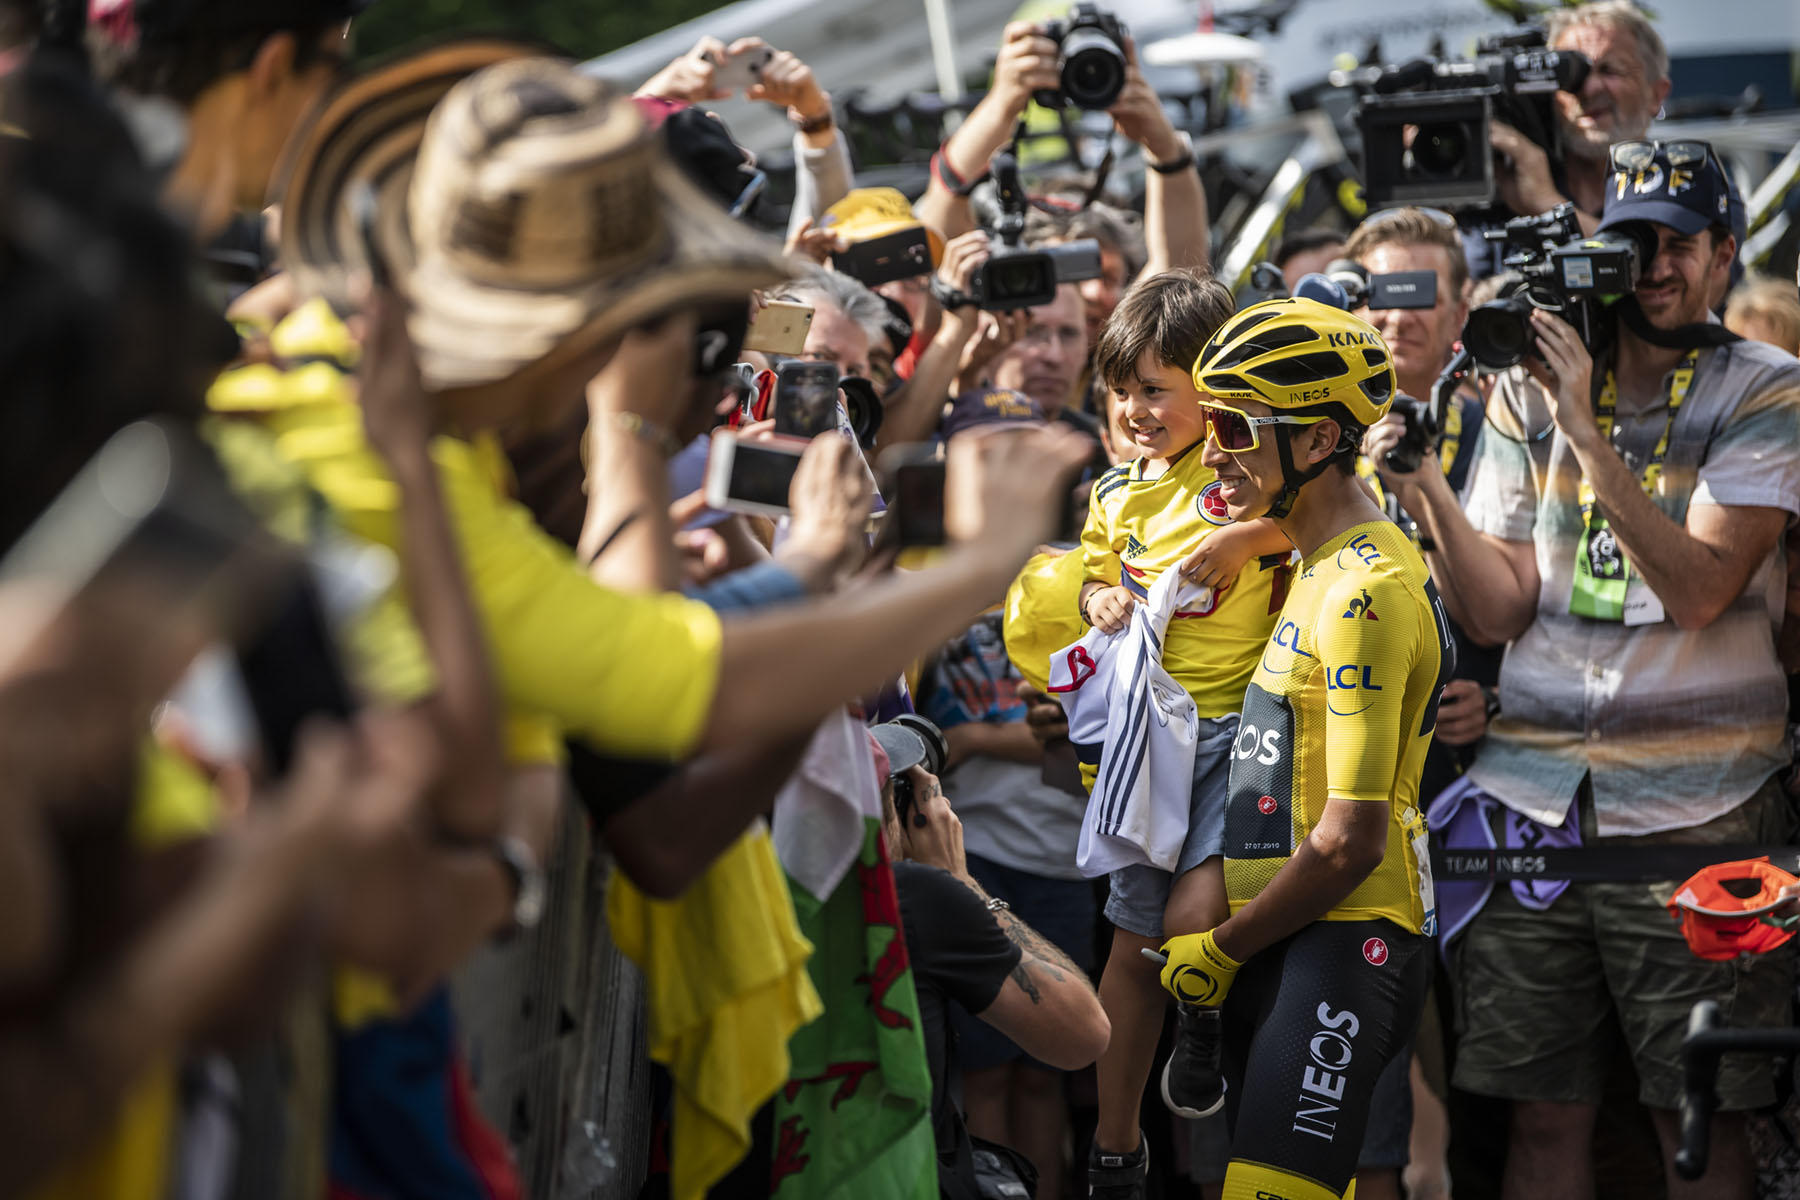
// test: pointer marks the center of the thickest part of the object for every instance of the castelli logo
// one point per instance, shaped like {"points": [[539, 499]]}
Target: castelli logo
{"points": [[1211, 504], [1376, 951], [1266, 806]]}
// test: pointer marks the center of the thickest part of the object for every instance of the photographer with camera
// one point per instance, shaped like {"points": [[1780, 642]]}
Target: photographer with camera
{"points": [[1090, 63], [969, 951], [1622, 534], [1625, 86]]}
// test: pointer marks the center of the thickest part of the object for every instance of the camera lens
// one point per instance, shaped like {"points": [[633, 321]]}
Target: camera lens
{"points": [[1441, 150], [1093, 69], [1498, 333]]}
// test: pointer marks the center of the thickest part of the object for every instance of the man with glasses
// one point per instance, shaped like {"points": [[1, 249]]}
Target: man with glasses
{"points": [[1622, 534], [1623, 92], [1046, 362]]}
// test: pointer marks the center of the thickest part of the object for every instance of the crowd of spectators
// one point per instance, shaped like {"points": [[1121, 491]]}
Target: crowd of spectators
{"points": [[390, 632]]}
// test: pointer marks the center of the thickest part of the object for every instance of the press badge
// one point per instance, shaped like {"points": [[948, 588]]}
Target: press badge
{"points": [[1642, 607]]}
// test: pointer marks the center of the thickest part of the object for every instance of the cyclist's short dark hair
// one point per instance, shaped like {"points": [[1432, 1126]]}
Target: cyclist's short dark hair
{"points": [[1173, 314]]}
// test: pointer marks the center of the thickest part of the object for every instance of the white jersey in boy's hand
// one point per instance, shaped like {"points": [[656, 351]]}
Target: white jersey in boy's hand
{"points": [[1119, 699]]}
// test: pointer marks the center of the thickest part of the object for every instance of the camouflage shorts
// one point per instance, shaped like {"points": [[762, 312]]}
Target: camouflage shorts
{"points": [[1537, 991]]}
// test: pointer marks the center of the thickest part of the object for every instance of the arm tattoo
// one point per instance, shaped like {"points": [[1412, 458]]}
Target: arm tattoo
{"points": [[1021, 975], [1035, 946]]}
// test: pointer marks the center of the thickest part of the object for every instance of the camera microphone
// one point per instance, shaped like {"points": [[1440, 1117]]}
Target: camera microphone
{"points": [[1314, 286]]}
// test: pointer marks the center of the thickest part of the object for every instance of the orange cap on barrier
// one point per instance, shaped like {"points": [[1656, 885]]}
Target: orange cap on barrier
{"points": [[1721, 908]]}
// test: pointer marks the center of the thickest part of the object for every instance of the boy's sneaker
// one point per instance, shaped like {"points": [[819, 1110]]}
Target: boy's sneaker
{"points": [[1192, 1086], [1116, 1176]]}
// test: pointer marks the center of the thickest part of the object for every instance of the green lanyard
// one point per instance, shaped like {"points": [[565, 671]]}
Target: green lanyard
{"points": [[1602, 572]]}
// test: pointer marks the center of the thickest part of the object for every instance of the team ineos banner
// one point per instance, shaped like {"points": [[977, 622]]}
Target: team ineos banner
{"points": [[1600, 864]]}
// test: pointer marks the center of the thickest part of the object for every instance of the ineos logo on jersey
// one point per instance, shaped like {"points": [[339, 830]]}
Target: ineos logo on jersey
{"points": [[1322, 1082], [1210, 504], [1263, 745], [1376, 951]]}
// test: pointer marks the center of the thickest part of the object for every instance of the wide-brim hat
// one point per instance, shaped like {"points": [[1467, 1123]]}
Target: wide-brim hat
{"points": [[523, 208]]}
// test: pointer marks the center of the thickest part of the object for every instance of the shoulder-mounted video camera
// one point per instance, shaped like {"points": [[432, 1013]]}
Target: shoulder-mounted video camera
{"points": [[1562, 270], [1425, 123]]}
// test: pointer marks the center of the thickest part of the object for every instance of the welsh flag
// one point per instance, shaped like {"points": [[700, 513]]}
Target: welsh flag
{"points": [[854, 1119]]}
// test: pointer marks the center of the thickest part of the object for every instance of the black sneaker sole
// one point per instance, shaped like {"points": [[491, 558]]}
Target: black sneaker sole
{"points": [[1192, 1114]]}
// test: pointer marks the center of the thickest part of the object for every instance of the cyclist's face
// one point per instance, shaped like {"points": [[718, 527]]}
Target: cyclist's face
{"points": [[1250, 481]]}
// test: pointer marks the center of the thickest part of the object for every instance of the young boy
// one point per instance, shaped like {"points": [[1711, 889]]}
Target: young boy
{"points": [[1158, 512]]}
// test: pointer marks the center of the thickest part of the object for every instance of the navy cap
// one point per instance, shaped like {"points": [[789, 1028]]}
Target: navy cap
{"points": [[1687, 199], [989, 406]]}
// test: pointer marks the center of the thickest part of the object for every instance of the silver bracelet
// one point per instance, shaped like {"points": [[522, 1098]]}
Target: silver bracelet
{"points": [[996, 904]]}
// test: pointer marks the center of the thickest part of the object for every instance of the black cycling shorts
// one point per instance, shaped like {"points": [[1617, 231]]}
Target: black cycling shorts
{"points": [[1308, 1027]]}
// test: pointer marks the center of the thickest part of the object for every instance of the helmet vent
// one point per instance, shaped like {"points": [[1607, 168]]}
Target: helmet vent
{"points": [[1376, 387], [1302, 369], [1224, 385], [1375, 358], [1265, 342]]}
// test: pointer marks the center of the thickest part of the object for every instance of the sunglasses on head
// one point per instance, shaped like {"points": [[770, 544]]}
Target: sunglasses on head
{"points": [[1235, 431], [1640, 154]]}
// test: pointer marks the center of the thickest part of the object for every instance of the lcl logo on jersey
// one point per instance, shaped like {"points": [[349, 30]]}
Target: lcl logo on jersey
{"points": [[1210, 504]]}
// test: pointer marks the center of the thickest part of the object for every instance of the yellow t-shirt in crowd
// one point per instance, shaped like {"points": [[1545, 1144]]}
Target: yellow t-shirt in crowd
{"points": [[1138, 528], [632, 674]]}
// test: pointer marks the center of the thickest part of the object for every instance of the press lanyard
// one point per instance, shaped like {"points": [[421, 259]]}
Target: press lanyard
{"points": [[1602, 573]]}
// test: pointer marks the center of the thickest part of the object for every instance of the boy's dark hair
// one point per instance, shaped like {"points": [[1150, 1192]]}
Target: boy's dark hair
{"points": [[101, 319], [1173, 314]]}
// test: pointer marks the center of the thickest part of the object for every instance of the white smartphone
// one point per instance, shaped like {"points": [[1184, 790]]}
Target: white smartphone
{"points": [[741, 70], [751, 477]]}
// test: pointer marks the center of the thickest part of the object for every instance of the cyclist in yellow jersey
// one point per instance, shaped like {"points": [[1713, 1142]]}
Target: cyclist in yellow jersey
{"points": [[1321, 969], [1162, 511]]}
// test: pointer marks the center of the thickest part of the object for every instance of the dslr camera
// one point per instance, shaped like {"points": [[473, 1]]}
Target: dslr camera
{"points": [[1090, 59], [1015, 277], [1425, 123], [1561, 270]]}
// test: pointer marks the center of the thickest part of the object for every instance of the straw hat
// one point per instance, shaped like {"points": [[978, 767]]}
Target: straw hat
{"points": [[523, 208]]}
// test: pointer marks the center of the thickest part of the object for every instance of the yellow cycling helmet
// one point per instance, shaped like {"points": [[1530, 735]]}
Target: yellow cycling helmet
{"points": [[1300, 357]]}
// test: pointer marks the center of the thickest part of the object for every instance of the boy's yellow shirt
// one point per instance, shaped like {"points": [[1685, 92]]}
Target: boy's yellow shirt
{"points": [[1138, 528]]}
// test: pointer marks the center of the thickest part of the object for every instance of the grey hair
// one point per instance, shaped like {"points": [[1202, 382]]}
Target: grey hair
{"points": [[1615, 14], [849, 296]]}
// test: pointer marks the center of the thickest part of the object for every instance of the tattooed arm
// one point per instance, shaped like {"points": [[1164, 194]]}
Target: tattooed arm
{"points": [[1047, 1004]]}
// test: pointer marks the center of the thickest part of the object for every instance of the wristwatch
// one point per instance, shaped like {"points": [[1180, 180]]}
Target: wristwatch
{"points": [[521, 867]]}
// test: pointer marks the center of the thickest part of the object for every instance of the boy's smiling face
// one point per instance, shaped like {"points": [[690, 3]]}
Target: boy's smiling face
{"points": [[1161, 408]]}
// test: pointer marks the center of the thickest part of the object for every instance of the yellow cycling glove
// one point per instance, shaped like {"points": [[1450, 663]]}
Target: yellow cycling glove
{"points": [[1198, 972]]}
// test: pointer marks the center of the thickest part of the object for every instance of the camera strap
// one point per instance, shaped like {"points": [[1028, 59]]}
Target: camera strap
{"points": [[1697, 336], [1602, 572]]}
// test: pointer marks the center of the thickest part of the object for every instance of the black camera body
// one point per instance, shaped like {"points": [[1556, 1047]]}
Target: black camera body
{"points": [[1421, 434], [1090, 59], [1562, 270], [1450, 104]]}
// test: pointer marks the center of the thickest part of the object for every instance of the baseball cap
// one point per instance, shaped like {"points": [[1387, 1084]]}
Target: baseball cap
{"points": [[1678, 184], [989, 406], [867, 213], [169, 20]]}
